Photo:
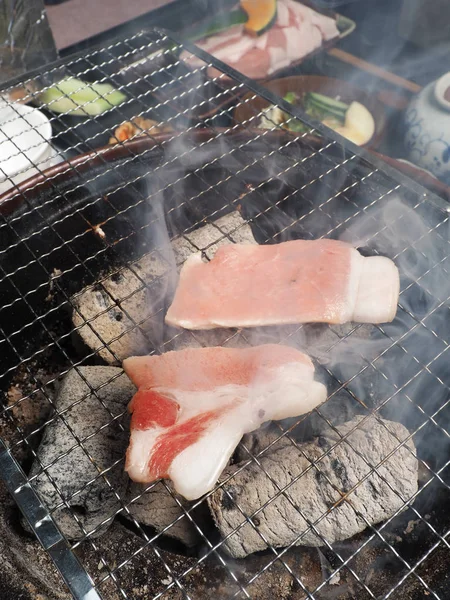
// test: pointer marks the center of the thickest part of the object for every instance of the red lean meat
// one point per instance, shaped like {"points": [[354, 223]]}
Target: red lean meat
{"points": [[193, 406], [298, 31], [301, 281]]}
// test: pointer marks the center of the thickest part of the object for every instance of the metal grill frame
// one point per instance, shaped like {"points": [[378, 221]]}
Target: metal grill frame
{"points": [[40, 518]]}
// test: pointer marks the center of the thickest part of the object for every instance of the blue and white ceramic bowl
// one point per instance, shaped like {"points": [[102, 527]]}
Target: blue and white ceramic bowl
{"points": [[427, 125]]}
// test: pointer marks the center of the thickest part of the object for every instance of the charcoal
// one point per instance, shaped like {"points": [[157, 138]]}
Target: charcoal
{"points": [[84, 413], [157, 505], [124, 314], [228, 229], [321, 421], [258, 441], [326, 487]]}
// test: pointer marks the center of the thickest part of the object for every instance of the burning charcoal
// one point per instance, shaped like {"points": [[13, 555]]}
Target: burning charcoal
{"points": [[156, 506], [124, 314], [227, 230], [125, 311], [85, 412], [318, 490]]}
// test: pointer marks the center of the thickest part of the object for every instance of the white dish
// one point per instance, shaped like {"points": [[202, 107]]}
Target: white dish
{"points": [[25, 134], [50, 159]]}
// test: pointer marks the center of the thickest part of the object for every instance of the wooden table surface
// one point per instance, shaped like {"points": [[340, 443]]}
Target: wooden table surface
{"points": [[77, 20]]}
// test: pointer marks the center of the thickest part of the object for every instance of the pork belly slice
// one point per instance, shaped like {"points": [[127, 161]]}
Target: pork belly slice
{"points": [[342, 479], [301, 281], [193, 406]]}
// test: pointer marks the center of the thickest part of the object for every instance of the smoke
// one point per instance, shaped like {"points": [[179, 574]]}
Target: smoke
{"points": [[378, 365], [289, 191]]}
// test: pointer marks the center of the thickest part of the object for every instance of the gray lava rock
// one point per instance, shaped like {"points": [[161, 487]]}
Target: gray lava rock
{"points": [[84, 414], [327, 487]]}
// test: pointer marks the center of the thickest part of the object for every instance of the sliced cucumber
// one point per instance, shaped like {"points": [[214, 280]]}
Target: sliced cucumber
{"points": [[321, 107], [78, 98], [326, 101]]}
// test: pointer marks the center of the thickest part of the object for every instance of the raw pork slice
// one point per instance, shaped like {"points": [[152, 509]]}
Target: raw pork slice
{"points": [[301, 281], [298, 31], [193, 406]]}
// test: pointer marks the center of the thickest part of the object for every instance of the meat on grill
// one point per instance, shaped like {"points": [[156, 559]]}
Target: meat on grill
{"points": [[301, 281], [122, 315], [335, 499], [298, 31], [193, 406]]}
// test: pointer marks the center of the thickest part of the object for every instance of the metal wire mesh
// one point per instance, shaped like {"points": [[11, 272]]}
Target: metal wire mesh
{"points": [[91, 227]]}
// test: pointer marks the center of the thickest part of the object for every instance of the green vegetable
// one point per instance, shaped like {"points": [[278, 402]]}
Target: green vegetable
{"points": [[78, 98], [331, 103], [321, 107], [291, 97]]}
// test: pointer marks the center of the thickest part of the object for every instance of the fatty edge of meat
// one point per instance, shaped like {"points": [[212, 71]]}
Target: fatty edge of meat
{"points": [[284, 519], [285, 390]]}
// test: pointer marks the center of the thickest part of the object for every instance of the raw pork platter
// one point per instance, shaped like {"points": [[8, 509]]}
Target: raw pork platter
{"points": [[297, 32]]}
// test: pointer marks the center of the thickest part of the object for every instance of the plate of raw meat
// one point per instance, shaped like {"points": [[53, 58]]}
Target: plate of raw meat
{"points": [[289, 32], [295, 32]]}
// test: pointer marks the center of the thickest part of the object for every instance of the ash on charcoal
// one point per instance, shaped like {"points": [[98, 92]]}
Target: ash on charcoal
{"points": [[314, 493], [230, 228], [158, 506], [85, 413], [145, 575], [124, 314]]}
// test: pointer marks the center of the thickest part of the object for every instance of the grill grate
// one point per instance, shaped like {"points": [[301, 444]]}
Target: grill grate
{"points": [[99, 220]]}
